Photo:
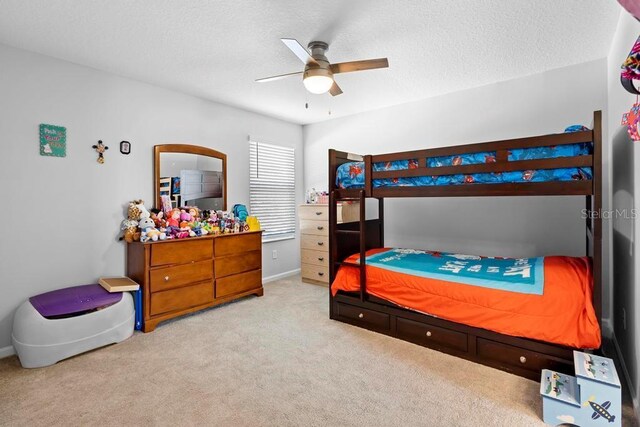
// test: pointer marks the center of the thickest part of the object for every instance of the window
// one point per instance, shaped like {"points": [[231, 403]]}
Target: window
{"points": [[273, 190]]}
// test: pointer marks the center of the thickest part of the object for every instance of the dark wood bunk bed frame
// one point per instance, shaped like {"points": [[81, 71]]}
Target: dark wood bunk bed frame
{"points": [[521, 356]]}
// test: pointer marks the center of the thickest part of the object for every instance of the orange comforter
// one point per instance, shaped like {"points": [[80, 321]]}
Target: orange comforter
{"points": [[564, 314]]}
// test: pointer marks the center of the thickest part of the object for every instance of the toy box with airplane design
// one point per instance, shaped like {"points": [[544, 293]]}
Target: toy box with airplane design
{"points": [[591, 398]]}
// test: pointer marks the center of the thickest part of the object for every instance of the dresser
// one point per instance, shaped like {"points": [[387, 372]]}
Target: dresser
{"points": [[182, 276], [314, 238]]}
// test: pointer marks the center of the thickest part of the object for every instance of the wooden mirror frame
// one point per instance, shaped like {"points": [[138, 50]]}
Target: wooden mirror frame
{"points": [[188, 149]]}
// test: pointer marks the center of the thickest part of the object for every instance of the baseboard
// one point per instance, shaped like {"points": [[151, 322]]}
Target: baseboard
{"points": [[280, 276], [7, 351], [627, 377]]}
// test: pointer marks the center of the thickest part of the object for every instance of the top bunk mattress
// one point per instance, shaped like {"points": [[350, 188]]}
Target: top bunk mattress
{"points": [[351, 174]]}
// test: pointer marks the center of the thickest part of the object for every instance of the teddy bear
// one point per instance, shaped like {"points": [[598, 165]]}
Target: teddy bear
{"points": [[130, 228], [130, 225]]}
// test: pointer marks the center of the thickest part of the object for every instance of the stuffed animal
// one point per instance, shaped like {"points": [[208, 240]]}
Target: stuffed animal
{"points": [[174, 218], [194, 212], [145, 223], [135, 212], [240, 212], [130, 228], [158, 218], [185, 216], [134, 209], [154, 234]]}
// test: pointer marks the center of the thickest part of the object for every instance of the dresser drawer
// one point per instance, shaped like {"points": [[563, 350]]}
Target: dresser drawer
{"points": [[518, 357], [175, 276], [320, 228], [315, 272], [234, 264], [238, 283], [318, 243], [238, 243], [314, 212], [313, 257], [173, 252], [181, 298], [430, 335], [361, 316]]}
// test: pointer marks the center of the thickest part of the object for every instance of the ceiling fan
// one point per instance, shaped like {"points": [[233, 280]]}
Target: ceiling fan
{"points": [[317, 75]]}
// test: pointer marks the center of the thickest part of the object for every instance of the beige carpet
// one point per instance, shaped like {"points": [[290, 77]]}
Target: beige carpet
{"points": [[274, 361]]}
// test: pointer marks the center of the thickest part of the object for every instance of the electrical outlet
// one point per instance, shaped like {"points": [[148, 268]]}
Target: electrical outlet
{"points": [[624, 319], [274, 254]]}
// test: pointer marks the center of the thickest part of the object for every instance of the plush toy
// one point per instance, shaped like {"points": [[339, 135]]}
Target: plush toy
{"points": [[158, 218], [174, 218], [145, 223], [240, 212], [194, 212], [181, 234], [185, 216], [130, 228], [154, 235], [253, 223], [135, 212]]}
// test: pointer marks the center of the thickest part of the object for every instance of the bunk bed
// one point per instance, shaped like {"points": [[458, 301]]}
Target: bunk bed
{"points": [[368, 294]]}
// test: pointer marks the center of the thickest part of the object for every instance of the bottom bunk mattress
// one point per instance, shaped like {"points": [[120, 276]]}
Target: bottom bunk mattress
{"points": [[547, 299]]}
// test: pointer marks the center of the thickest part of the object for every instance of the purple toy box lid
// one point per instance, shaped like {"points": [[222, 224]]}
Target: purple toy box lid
{"points": [[73, 300]]}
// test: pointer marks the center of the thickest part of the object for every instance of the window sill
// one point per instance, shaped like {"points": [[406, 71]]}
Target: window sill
{"points": [[271, 239]]}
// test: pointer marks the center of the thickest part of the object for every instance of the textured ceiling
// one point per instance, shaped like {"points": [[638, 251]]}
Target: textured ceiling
{"points": [[216, 49]]}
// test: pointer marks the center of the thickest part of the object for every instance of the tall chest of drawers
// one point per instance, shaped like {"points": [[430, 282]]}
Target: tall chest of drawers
{"points": [[182, 276], [314, 239]]}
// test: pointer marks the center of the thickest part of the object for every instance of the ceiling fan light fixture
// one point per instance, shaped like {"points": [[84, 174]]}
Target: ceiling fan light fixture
{"points": [[318, 80]]}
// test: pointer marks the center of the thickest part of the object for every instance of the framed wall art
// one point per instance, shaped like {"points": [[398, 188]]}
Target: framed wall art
{"points": [[53, 140]]}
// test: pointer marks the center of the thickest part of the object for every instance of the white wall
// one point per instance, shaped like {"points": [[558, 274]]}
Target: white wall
{"points": [[62, 215], [538, 104], [625, 156]]}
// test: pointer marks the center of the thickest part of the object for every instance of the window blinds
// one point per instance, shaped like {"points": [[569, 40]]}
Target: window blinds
{"points": [[272, 189]]}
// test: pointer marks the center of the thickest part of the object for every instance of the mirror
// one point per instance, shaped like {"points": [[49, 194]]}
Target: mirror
{"points": [[189, 175]]}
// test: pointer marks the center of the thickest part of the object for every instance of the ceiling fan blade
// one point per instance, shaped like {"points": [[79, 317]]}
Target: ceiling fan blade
{"points": [[367, 64], [281, 76], [299, 51], [335, 89]]}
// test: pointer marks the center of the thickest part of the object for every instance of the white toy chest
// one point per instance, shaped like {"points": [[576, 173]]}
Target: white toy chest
{"points": [[59, 324]]}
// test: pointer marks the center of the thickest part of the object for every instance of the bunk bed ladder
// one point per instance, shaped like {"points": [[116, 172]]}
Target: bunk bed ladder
{"points": [[334, 198]]}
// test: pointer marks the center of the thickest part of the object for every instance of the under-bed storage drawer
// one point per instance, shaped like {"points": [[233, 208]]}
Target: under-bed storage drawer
{"points": [[367, 318], [429, 335], [519, 357]]}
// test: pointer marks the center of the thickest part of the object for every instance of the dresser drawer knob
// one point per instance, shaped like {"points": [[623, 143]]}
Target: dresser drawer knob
{"points": [[320, 274], [320, 227], [320, 243], [428, 333], [166, 278], [361, 315], [318, 213], [320, 258], [523, 359]]}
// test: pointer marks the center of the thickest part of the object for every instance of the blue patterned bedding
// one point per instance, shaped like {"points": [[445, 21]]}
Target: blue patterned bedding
{"points": [[351, 175]]}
